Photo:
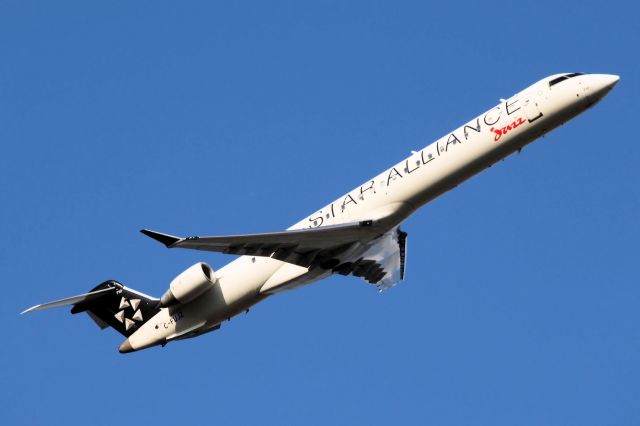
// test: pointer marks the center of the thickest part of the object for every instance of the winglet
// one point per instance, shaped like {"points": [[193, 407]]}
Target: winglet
{"points": [[167, 240]]}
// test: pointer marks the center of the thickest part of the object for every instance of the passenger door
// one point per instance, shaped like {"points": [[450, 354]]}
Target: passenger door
{"points": [[530, 106]]}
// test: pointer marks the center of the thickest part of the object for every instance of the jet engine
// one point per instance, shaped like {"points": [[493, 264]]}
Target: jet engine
{"points": [[189, 285]]}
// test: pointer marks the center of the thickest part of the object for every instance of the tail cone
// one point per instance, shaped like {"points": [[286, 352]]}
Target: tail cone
{"points": [[125, 347]]}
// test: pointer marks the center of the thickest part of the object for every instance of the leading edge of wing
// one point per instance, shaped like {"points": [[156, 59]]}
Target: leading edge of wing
{"points": [[318, 238]]}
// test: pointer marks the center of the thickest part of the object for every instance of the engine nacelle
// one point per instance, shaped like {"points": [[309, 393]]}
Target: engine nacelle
{"points": [[189, 285]]}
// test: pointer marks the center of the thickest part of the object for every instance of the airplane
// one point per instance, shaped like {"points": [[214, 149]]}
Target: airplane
{"points": [[358, 234]]}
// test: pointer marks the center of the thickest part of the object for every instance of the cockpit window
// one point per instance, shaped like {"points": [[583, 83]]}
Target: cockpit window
{"points": [[563, 77]]}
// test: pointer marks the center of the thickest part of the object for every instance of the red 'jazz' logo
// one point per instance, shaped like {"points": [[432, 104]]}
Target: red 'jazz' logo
{"points": [[504, 130]]}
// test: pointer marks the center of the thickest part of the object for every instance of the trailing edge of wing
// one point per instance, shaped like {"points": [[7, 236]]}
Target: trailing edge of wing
{"points": [[70, 300]]}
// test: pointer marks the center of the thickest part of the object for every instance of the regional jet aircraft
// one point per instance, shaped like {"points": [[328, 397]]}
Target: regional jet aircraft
{"points": [[357, 234]]}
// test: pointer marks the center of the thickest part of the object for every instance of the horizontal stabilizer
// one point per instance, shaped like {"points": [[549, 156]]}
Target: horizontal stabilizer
{"points": [[71, 300]]}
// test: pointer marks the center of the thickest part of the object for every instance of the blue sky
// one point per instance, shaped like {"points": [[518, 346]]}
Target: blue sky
{"points": [[520, 304]]}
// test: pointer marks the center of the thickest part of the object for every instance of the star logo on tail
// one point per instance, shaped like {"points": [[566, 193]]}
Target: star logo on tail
{"points": [[122, 317]]}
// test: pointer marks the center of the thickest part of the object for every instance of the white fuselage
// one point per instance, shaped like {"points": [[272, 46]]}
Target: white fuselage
{"points": [[389, 197]]}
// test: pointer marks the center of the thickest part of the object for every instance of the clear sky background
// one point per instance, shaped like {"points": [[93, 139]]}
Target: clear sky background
{"points": [[521, 302]]}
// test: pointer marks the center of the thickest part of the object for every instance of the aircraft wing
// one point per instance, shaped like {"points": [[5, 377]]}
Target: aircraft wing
{"points": [[328, 247], [313, 238]]}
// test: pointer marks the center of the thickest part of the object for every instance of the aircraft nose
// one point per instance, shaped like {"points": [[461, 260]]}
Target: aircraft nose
{"points": [[600, 85]]}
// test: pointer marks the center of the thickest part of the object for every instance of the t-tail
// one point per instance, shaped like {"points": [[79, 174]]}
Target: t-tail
{"points": [[111, 304]]}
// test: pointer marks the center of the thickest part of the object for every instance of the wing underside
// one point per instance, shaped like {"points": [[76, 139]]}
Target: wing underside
{"points": [[361, 249]]}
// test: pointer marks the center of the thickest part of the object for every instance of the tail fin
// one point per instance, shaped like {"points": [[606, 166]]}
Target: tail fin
{"points": [[110, 304], [122, 308]]}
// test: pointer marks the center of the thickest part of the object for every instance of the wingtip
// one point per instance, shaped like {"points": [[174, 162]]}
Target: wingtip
{"points": [[26, 311], [166, 239]]}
